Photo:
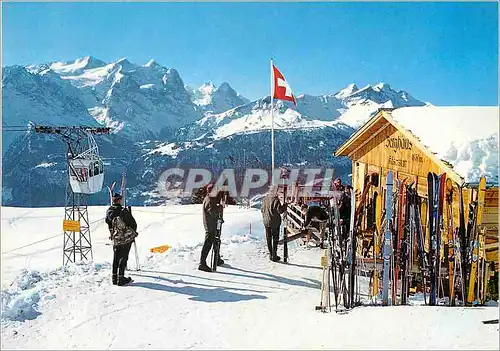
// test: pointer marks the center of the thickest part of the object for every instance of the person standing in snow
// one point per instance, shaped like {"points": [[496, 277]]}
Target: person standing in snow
{"points": [[344, 205], [271, 210], [345, 208], [212, 209], [123, 231]]}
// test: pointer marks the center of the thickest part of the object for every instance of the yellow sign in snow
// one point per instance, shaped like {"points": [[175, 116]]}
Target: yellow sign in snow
{"points": [[324, 263], [159, 249], [71, 226]]}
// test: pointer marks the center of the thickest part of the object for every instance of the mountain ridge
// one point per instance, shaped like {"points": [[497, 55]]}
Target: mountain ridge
{"points": [[158, 122]]}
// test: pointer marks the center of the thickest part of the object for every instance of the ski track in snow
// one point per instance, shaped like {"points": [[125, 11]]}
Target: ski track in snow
{"points": [[249, 303]]}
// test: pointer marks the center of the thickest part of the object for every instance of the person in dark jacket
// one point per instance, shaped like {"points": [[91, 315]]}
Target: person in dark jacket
{"points": [[212, 209], [123, 231], [316, 214], [337, 185], [271, 210], [345, 208]]}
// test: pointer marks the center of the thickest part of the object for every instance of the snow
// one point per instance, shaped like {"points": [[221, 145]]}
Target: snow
{"points": [[45, 165], [147, 86], [464, 136], [151, 63], [351, 88], [171, 149], [63, 68], [230, 123], [250, 303], [90, 77], [101, 115], [357, 114]]}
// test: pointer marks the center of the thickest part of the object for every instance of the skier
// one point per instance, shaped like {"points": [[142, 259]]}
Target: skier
{"points": [[337, 185], [271, 210], [345, 208], [317, 214], [123, 231], [211, 211]]}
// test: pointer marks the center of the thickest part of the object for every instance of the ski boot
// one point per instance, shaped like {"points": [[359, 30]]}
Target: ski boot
{"points": [[122, 280], [114, 279], [203, 267]]}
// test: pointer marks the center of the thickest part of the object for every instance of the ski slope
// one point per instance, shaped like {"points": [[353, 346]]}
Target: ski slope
{"points": [[250, 303]]}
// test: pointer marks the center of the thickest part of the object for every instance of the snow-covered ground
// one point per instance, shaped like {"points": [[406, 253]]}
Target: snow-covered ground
{"points": [[250, 303]]}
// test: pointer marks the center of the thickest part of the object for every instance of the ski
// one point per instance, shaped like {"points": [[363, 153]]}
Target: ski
{"points": [[123, 188], [351, 260], [407, 243], [462, 240], [399, 232], [433, 211], [478, 230], [110, 189], [449, 246], [285, 235], [376, 226], [387, 238], [422, 255], [441, 232], [339, 258], [217, 241], [331, 247]]}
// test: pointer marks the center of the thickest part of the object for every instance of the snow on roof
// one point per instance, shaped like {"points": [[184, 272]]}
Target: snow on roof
{"points": [[464, 136]]}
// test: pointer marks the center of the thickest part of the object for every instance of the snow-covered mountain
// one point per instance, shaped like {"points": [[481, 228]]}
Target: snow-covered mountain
{"points": [[160, 122], [43, 98], [214, 99], [141, 101], [349, 107]]}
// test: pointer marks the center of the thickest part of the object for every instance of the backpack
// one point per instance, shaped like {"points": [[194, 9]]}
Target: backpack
{"points": [[121, 232]]}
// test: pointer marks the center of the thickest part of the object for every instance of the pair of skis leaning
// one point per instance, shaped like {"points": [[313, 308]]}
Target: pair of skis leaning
{"points": [[339, 262]]}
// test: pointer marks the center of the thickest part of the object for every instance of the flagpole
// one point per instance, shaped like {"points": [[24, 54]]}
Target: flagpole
{"points": [[272, 124]]}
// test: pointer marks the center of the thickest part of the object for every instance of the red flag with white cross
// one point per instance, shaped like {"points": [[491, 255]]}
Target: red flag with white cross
{"points": [[282, 90]]}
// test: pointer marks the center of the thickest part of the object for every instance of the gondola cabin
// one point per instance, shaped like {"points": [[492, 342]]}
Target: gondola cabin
{"points": [[86, 176]]}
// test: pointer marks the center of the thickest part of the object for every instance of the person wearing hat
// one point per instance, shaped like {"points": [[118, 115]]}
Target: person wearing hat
{"points": [[123, 231], [337, 184], [271, 210], [212, 209]]}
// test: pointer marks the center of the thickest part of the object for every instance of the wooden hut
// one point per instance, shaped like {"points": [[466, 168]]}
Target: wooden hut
{"points": [[412, 141]]}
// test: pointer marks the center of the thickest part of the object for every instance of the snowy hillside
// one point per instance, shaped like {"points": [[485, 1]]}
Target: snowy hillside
{"points": [[172, 305]]}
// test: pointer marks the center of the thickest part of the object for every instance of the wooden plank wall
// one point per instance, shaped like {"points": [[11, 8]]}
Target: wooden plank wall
{"points": [[388, 150]]}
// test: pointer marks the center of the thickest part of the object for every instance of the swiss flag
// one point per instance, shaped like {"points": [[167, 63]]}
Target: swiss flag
{"points": [[282, 90]]}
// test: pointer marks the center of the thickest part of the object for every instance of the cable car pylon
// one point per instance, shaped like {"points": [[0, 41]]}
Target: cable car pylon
{"points": [[85, 177]]}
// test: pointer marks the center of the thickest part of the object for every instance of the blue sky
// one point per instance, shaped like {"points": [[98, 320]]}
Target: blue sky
{"points": [[444, 53]]}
